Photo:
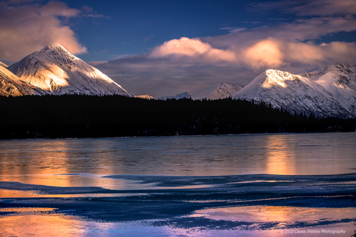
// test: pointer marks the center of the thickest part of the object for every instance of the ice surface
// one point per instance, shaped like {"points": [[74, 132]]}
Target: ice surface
{"points": [[230, 205], [192, 186]]}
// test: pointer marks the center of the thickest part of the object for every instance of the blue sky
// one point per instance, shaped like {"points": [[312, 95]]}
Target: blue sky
{"points": [[134, 27], [168, 47]]}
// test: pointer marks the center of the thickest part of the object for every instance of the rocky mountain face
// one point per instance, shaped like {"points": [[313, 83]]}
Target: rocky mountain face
{"points": [[58, 72]]}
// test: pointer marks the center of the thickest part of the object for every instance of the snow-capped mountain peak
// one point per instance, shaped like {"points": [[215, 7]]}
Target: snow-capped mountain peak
{"points": [[57, 71], [57, 53], [278, 77]]}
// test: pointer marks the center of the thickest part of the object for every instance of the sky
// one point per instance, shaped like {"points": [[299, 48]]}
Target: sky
{"points": [[163, 48]]}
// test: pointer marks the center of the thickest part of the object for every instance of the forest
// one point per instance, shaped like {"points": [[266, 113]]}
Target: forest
{"points": [[79, 116]]}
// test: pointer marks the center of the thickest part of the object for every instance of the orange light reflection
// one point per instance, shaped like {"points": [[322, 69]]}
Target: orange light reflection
{"points": [[279, 158]]}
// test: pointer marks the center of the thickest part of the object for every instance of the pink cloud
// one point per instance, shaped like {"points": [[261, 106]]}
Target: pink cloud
{"points": [[264, 53], [58, 9], [269, 52], [193, 48], [27, 28], [329, 53]]}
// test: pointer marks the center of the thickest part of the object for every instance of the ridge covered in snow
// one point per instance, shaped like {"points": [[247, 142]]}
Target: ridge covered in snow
{"points": [[58, 72], [340, 81], [219, 91], [11, 85], [295, 93], [184, 95]]}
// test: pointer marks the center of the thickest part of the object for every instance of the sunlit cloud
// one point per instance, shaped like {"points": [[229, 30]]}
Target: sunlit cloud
{"points": [[329, 53], [264, 53], [27, 28], [268, 52], [192, 48]]}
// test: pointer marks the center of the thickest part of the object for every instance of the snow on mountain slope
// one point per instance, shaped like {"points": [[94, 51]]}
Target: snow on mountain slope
{"points": [[147, 97], [219, 91], [11, 85], [184, 95], [340, 81], [293, 93], [58, 72]]}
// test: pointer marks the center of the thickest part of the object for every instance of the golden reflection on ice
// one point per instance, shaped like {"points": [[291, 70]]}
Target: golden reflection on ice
{"points": [[4, 193], [50, 162], [279, 159], [280, 214], [40, 225], [26, 210]]}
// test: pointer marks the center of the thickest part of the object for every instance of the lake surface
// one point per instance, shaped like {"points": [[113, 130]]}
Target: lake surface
{"points": [[274, 184]]}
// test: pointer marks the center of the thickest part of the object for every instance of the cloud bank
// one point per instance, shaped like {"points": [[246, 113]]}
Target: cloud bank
{"points": [[27, 28]]}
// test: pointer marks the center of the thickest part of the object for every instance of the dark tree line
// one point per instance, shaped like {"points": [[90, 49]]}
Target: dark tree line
{"points": [[111, 116]]}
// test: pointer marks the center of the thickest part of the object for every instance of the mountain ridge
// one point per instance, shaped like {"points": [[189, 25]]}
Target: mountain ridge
{"points": [[11, 85], [218, 91], [294, 93]]}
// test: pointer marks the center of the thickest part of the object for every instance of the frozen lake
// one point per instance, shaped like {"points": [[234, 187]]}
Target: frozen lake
{"points": [[249, 185]]}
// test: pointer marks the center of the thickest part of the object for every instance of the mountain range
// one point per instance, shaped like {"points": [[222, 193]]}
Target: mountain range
{"points": [[221, 90], [330, 92], [184, 95]]}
